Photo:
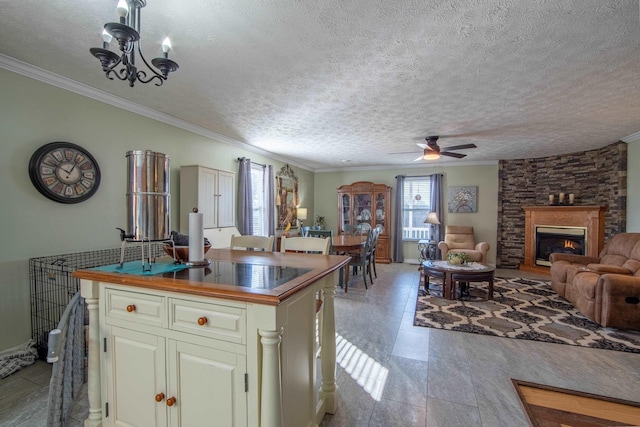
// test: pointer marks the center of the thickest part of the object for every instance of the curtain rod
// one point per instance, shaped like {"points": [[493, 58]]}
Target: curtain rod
{"points": [[415, 176], [255, 163]]}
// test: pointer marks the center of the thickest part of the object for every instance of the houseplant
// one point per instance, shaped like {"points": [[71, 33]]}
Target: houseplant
{"points": [[319, 222], [458, 258]]}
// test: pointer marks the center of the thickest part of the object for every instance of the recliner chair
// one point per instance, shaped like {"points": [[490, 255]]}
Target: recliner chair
{"points": [[459, 238]]}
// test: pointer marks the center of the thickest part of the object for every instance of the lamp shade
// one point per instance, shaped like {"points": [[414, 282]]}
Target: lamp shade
{"points": [[302, 213], [432, 218]]}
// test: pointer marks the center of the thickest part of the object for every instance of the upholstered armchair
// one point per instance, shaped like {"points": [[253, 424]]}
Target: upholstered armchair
{"points": [[459, 238]]}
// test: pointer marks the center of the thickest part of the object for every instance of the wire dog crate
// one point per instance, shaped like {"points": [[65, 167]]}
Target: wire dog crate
{"points": [[52, 285]]}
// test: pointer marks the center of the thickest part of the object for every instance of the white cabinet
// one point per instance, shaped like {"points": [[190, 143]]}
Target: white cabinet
{"points": [[173, 361], [212, 191]]}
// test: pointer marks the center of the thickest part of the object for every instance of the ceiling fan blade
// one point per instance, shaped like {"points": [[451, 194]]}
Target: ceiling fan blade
{"points": [[423, 146], [456, 155], [462, 147], [419, 158]]}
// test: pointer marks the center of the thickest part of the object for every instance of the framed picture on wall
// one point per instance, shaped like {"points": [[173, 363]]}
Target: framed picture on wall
{"points": [[463, 199], [287, 198]]}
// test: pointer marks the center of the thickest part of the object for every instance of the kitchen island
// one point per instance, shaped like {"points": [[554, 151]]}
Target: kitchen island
{"points": [[232, 344]]}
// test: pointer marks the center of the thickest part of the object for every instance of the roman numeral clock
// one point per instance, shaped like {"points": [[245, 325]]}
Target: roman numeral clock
{"points": [[64, 172]]}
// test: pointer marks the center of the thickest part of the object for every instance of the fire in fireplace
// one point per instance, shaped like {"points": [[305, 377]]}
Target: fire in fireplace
{"points": [[568, 240]]}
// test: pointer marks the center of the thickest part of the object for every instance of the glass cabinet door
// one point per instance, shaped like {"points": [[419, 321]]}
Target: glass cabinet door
{"points": [[362, 205], [345, 213], [381, 202]]}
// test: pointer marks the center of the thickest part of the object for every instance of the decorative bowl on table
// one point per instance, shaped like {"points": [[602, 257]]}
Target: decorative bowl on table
{"points": [[458, 258], [182, 252]]}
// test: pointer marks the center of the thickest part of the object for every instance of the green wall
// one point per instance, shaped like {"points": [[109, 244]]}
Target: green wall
{"points": [[633, 189], [34, 113], [483, 176]]}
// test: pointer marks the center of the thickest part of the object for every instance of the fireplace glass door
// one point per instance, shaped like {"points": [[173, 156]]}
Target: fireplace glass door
{"points": [[568, 240]]}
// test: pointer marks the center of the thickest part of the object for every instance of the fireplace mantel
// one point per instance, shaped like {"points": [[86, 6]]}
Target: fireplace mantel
{"points": [[589, 217]]}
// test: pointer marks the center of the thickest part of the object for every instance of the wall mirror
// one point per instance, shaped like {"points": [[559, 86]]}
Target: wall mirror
{"points": [[287, 198]]}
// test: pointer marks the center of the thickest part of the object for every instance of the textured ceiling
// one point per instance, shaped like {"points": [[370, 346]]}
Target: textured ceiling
{"points": [[346, 83]]}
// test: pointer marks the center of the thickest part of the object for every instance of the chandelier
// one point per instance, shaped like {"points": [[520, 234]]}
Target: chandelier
{"points": [[127, 33]]}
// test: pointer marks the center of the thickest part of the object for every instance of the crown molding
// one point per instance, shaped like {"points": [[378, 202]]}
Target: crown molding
{"points": [[634, 137], [44, 76], [430, 165]]}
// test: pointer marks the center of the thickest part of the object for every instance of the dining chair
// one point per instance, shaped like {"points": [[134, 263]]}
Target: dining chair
{"points": [[372, 252], [252, 243], [324, 234], [309, 245], [361, 261], [351, 228]]}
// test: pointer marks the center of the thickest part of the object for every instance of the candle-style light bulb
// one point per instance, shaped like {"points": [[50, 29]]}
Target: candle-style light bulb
{"points": [[166, 46], [106, 39], [123, 10]]}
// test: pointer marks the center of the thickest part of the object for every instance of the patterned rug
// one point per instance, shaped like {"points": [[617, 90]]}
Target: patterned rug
{"points": [[522, 309]]}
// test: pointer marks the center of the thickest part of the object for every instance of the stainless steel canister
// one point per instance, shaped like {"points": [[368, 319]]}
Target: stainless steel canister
{"points": [[148, 195]]}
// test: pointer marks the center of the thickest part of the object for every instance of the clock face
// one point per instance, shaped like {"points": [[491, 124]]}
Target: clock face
{"points": [[64, 172]]}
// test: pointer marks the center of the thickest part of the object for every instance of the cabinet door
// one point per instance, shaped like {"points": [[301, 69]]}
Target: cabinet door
{"points": [[382, 249], [363, 208], [345, 212], [381, 212], [208, 385], [135, 374], [207, 197], [226, 199]]}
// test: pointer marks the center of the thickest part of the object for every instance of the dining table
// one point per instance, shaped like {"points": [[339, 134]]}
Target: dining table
{"points": [[343, 244]]}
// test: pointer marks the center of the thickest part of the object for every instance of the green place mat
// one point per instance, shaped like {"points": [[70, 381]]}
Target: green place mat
{"points": [[135, 267]]}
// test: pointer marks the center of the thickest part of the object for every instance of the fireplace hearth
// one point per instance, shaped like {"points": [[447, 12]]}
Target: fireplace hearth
{"points": [[568, 240]]}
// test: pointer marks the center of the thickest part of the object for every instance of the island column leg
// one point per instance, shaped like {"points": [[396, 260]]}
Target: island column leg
{"points": [[329, 388], [89, 291], [271, 394]]}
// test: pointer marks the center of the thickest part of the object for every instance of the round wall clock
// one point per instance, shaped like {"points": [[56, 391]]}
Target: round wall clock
{"points": [[64, 172]]}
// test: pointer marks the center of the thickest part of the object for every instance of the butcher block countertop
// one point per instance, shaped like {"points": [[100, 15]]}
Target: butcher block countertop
{"points": [[256, 277]]}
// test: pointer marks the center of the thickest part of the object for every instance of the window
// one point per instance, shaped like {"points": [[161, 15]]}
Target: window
{"points": [[416, 204], [260, 227]]}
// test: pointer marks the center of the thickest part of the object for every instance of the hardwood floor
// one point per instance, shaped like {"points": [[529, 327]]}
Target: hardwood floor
{"points": [[391, 373]]}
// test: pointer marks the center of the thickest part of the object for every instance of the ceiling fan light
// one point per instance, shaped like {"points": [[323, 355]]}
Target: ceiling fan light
{"points": [[432, 155]]}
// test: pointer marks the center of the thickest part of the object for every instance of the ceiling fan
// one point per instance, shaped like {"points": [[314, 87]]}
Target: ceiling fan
{"points": [[432, 150]]}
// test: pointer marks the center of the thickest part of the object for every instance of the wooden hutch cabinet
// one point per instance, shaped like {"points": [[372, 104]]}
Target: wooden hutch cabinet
{"points": [[367, 203]]}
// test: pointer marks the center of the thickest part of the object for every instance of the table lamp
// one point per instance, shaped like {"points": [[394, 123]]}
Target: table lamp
{"points": [[432, 220], [302, 215]]}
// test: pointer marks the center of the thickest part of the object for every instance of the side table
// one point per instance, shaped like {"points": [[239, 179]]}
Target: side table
{"points": [[427, 250]]}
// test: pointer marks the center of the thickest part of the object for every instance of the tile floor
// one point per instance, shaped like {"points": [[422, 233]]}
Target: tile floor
{"points": [[391, 373]]}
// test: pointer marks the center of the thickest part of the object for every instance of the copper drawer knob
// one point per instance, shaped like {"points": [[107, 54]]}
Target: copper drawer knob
{"points": [[159, 397], [171, 401], [131, 308], [202, 321]]}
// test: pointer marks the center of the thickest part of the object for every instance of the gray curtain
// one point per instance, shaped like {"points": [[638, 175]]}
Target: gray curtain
{"points": [[398, 251], [245, 204], [436, 205], [269, 203]]}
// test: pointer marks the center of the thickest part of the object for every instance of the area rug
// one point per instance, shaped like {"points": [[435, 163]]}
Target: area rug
{"points": [[522, 309], [548, 406]]}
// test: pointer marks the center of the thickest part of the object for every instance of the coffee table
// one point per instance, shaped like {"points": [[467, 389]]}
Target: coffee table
{"points": [[472, 272]]}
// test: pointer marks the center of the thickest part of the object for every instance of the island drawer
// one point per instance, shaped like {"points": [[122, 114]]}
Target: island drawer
{"points": [[210, 320], [136, 307]]}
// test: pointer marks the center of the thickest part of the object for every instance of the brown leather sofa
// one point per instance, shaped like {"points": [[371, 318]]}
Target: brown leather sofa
{"points": [[606, 289]]}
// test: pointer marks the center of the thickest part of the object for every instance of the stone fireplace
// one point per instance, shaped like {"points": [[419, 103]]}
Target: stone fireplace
{"points": [[567, 229]]}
